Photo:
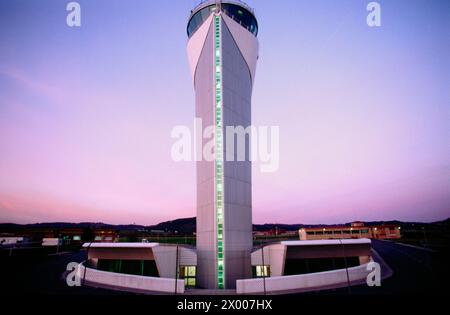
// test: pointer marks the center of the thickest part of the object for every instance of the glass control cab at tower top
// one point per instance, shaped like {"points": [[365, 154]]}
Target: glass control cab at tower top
{"points": [[236, 10]]}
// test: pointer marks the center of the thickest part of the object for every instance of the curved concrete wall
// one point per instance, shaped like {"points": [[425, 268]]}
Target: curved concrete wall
{"points": [[195, 45], [302, 282], [130, 282], [166, 259], [274, 256]]}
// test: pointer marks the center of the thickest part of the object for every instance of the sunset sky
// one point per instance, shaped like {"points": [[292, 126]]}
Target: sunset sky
{"points": [[86, 113]]}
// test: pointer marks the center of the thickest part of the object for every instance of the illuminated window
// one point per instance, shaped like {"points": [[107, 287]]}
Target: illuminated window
{"points": [[219, 156], [261, 271], [189, 274]]}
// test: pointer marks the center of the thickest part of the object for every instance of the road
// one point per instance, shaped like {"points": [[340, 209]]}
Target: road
{"points": [[415, 272], [43, 275]]}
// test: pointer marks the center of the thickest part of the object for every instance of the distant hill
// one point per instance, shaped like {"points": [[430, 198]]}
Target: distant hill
{"points": [[7, 227], [188, 226]]}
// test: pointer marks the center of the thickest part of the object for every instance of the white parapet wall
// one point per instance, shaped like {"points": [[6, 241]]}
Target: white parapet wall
{"points": [[130, 282], [303, 282]]}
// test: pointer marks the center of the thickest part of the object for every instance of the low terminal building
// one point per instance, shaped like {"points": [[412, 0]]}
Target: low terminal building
{"points": [[11, 240], [355, 231], [280, 267], [47, 237], [51, 241], [299, 266], [140, 267], [105, 235]]}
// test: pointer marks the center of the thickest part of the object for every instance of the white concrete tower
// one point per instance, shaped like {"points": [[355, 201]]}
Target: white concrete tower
{"points": [[223, 52]]}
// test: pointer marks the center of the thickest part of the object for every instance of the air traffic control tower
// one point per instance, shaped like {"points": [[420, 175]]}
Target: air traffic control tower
{"points": [[223, 52]]}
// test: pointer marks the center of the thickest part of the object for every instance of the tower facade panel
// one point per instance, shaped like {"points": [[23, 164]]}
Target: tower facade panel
{"points": [[237, 91], [222, 55], [206, 230]]}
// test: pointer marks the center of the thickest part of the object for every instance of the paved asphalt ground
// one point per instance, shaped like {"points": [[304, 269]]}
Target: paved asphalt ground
{"points": [[416, 272], [43, 276]]}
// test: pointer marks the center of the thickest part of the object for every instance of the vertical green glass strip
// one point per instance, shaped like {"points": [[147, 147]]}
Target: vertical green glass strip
{"points": [[219, 155]]}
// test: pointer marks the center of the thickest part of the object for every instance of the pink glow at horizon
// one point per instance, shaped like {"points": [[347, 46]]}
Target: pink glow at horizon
{"points": [[86, 115]]}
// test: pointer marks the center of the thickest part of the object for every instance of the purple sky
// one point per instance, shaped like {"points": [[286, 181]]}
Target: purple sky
{"points": [[86, 114]]}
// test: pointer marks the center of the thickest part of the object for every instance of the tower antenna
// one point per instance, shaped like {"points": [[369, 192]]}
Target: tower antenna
{"points": [[218, 6]]}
